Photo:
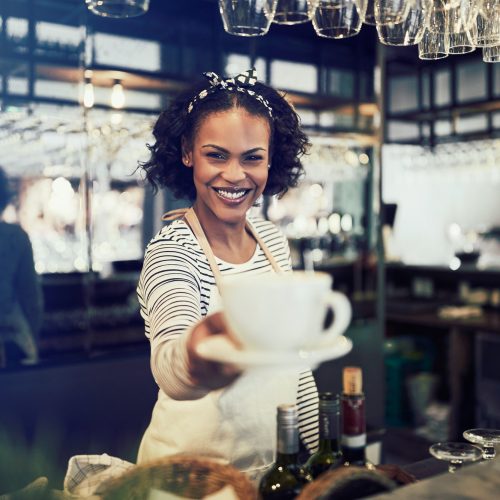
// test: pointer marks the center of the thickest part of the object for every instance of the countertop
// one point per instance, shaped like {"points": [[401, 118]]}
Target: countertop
{"points": [[476, 481]]}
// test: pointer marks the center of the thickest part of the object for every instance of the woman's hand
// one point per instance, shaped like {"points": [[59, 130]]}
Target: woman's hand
{"points": [[209, 374]]}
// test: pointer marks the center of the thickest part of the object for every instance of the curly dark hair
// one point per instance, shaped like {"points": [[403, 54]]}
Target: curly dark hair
{"points": [[5, 194], [288, 142]]}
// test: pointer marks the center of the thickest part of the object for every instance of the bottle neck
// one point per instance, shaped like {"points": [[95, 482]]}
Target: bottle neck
{"points": [[288, 439], [287, 458], [329, 424], [329, 430], [328, 445]]}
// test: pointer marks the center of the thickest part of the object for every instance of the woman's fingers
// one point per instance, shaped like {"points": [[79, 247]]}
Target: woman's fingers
{"points": [[217, 324], [209, 374]]}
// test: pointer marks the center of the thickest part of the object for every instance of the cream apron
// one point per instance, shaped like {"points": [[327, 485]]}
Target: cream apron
{"points": [[236, 424]]}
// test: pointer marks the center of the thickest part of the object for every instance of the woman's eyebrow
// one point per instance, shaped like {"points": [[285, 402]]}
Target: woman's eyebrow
{"points": [[215, 147], [253, 150], [223, 150]]}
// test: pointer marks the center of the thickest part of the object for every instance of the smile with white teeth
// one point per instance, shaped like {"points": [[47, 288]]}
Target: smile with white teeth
{"points": [[233, 194]]}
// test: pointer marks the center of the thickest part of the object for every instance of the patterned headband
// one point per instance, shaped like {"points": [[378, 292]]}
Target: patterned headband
{"points": [[240, 83]]}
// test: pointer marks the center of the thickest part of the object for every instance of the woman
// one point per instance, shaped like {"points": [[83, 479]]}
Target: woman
{"points": [[222, 145]]}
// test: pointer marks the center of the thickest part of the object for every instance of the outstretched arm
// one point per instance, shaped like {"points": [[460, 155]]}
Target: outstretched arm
{"points": [[170, 297]]}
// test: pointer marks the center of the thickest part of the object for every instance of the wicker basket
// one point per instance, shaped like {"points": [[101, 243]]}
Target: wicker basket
{"points": [[347, 482], [187, 476]]}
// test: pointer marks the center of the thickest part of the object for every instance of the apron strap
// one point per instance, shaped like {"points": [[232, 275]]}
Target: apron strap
{"points": [[192, 221], [174, 214], [264, 247]]}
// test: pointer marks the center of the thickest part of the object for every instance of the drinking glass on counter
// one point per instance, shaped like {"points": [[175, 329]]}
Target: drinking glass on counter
{"points": [[456, 454], [486, 438]]}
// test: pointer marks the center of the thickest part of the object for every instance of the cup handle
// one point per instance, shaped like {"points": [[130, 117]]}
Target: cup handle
{"points": [[342, 311]]}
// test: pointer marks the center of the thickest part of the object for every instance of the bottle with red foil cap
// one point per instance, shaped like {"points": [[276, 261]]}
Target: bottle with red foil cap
{"points": [[352, 399]]}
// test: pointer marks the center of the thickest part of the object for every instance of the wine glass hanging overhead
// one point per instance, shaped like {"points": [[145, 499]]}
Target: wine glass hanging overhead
{"points": [[438, 27], [118, 8], [293, 11]]}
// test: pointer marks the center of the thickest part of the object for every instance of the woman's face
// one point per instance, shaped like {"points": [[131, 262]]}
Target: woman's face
{"points": [[230, 158]]}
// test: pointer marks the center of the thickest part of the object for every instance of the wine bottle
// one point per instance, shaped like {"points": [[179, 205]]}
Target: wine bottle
{"points": [[286, 477], [353, 440], [328, 455]]}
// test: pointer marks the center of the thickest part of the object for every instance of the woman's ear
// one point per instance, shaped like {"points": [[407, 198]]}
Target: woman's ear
{"points": [[187, 156]]}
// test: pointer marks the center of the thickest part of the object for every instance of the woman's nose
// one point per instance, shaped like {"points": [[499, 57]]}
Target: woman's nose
{"points": [[234, 172]]}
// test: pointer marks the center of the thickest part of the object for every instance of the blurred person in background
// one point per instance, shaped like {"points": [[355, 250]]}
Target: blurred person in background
{"points": [[21, 304]]}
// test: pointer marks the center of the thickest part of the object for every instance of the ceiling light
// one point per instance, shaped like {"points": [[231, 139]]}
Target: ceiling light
{"points": [[88, 94], [117, 95]]}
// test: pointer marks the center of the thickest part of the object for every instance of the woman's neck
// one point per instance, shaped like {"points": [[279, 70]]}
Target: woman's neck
{"points": [[229, 241]]}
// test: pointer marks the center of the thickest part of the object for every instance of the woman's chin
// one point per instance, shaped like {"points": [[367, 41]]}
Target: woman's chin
{"points": [[232, 216]]}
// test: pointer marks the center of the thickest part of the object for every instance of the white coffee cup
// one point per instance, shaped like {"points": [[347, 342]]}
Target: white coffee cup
{"points": [[283, 311]]}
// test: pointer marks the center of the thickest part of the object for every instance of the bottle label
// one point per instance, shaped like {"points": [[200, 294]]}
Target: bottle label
{"points": [[353, 421], [354, 441], [328, 425]]}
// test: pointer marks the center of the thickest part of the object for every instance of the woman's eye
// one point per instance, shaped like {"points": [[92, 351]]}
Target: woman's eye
{"points": [[216, 156], [254, 158]]}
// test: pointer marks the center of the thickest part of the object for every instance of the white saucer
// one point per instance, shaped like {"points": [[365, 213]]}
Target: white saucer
{"points": [[218, 348]]}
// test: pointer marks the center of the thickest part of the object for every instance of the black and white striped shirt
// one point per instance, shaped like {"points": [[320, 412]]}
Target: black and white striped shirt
{"points": [[175, 291]]}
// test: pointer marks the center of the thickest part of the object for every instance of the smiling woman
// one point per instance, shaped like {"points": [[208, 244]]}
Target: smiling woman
{"points": [[229, 157], [222, 145]]}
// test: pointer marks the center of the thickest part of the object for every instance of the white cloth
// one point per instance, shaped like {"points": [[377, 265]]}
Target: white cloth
{"points": [[87, 473]]}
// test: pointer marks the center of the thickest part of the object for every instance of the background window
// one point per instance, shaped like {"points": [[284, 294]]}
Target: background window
{"points": [[340, 83], [442, 87], [237, 63], [115, 51], [58, 33], [471, 81], [403, 93], [294, 76]]}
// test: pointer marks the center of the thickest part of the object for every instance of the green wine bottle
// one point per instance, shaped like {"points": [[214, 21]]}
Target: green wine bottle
{"points": [[328, 455], [286, 477]]}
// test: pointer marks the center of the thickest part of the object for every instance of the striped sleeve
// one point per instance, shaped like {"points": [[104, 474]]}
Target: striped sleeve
{"points": [[308, 409], [169, 296]]}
